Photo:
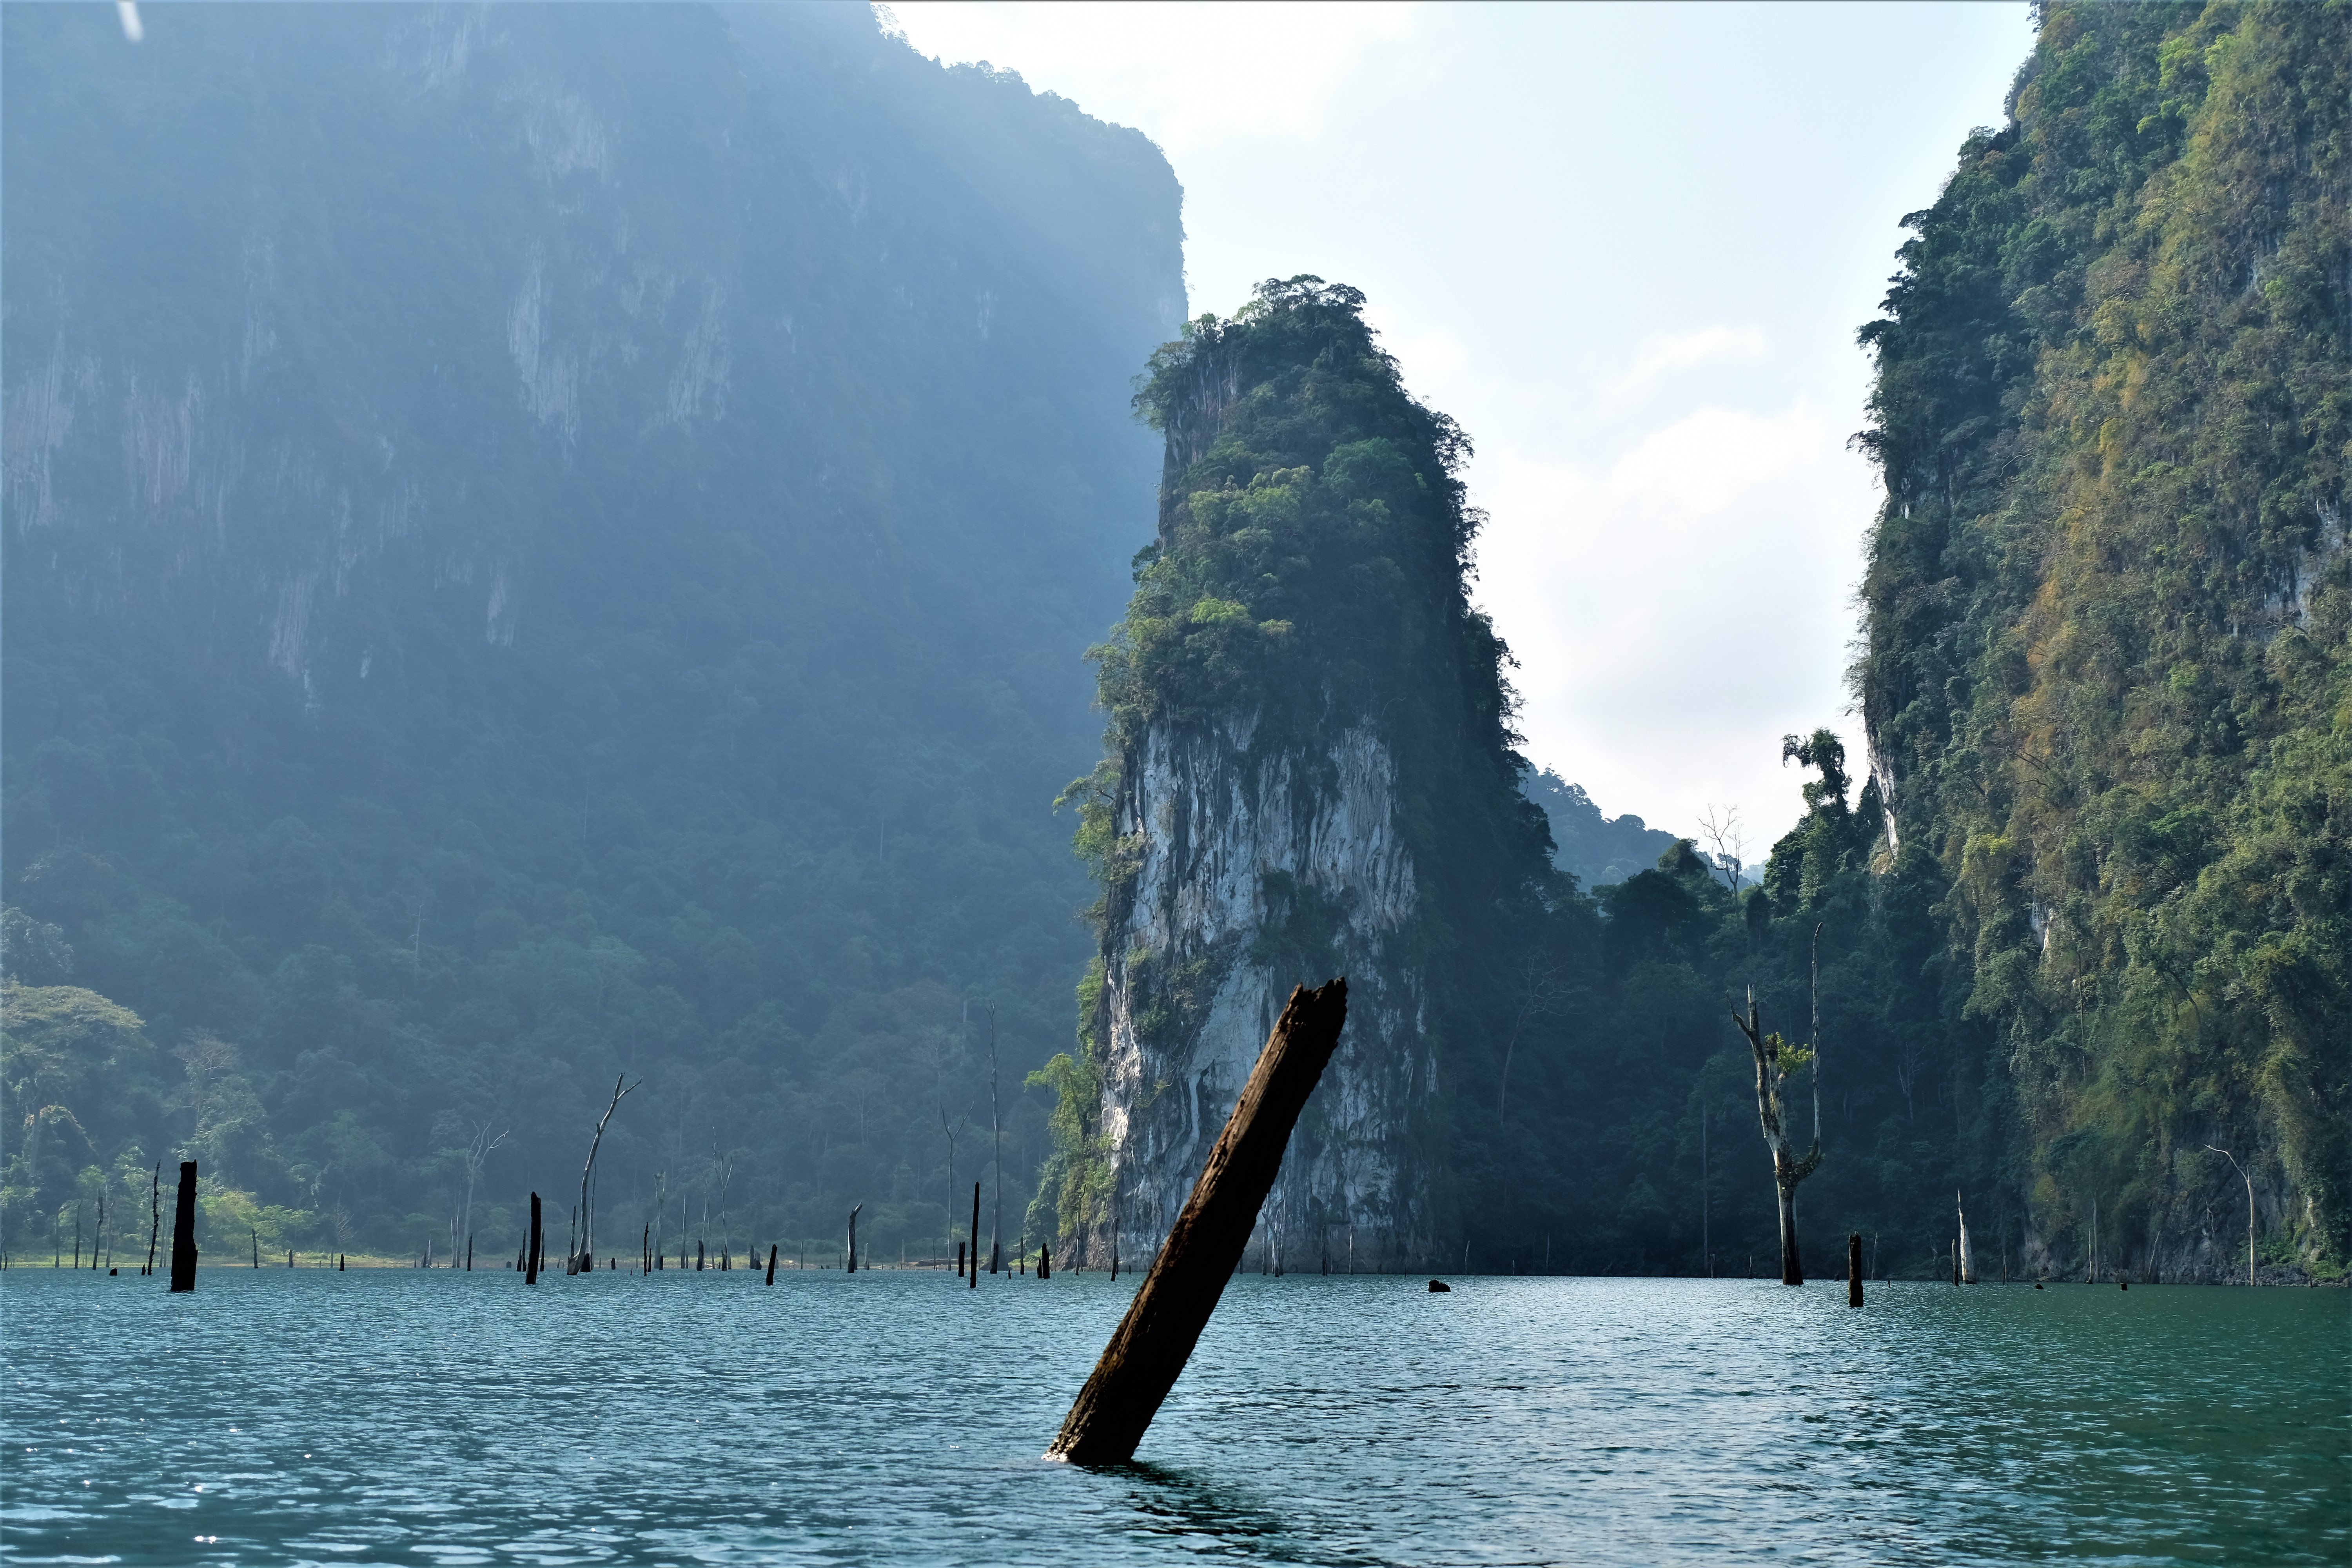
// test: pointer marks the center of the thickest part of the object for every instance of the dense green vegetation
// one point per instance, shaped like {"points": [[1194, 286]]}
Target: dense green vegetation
{"points": [[1309, 575], [1595, 1108], [1592, 847], [557, 569], [541, 543], [2108, 614], [2088, 913]]}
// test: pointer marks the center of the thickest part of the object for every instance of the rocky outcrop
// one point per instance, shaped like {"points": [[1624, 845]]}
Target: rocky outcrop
{"points": [[1258, 866]]}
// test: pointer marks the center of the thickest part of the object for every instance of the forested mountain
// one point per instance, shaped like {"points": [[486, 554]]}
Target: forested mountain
{"points": [[550, 544], [1593, 849], [2108, 683], [2086, 915], [543, 544]]}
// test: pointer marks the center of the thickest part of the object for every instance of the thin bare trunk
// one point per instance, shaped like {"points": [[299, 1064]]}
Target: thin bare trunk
{"points": [[587, 1228], [1789, 1168]]}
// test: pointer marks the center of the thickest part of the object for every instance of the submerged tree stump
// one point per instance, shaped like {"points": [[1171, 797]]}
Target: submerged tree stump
{"points": [[531, 1253], [972, 1281], [1164, 1322], [183, 1230], [772, 1263], [1854, 1268]]}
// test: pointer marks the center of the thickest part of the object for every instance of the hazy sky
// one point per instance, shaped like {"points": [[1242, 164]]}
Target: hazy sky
{"points": [[1627, 248]]}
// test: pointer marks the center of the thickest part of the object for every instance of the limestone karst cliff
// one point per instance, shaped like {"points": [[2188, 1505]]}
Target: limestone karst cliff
{"points": [[1310, 770], [2108, 680], [542, 539]]}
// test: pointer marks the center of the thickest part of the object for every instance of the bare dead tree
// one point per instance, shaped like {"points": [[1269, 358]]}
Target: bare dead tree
{"points": [[1541, 989], [1909, 1061], [2250, 1206], [661, 1200], [1774, 1059], [722, 1175], [1724, 831], [1816, 1074], [939, 1052], [587, 1228], [995, 1149], [478, 1153]]}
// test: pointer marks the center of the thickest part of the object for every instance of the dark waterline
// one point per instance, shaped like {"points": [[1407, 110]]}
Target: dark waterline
{"points": [[405, 1417]]}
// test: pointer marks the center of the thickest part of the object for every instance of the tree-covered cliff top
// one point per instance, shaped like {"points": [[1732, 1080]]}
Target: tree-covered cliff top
{"points": [[2108, 683]]}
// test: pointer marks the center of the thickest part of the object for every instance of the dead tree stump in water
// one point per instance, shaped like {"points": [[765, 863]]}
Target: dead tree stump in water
{"points": [[972, 1281], [772, 1263], [1164, 1322], [183, 1230], [530, 1247], [1854, 1268], [1044, 1261], [959, 1259], [852, 1253]]}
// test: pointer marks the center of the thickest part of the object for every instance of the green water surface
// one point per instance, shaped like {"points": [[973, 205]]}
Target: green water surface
{"points": [[436, 1418]]}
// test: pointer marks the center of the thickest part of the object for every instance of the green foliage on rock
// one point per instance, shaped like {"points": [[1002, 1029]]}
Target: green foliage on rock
{"points": [[2107, 680]]}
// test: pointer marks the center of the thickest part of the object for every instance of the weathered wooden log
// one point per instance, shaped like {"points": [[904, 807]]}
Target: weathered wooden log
{"points": [[972, 1281], [183, 1230], [772, 1263], [1854, 1268], [531, 1247], [1154, 1341]]}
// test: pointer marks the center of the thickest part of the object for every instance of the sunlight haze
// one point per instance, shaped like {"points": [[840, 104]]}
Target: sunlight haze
{"points": [[1636, 283]]}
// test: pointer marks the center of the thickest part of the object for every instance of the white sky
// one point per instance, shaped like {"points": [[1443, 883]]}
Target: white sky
{"points": [[1627, 248]]}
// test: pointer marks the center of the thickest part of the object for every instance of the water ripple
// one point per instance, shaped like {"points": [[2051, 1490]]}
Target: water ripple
{"points": [[408, 1416]]}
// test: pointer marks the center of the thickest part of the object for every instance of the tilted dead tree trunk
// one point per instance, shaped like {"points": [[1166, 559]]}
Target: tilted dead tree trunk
{"points": [[1774, 1061], [1164, 1322]]}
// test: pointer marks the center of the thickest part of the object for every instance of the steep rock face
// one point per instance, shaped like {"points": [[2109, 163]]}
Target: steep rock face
{"points": [[1309, 776], [2109, 624], [1229, 838], [542, 540]]}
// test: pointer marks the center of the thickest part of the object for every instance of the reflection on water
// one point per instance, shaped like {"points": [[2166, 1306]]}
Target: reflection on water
{"points": [[409, 1416]]}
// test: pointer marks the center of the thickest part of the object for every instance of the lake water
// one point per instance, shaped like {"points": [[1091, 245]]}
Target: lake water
{"points": [[414, 1417]]}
